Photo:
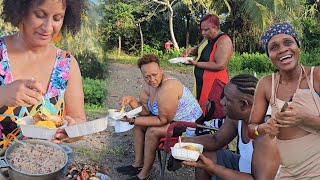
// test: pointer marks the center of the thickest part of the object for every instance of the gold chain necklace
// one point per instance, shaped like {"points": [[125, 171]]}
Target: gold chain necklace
{"points": [[292, 91]]}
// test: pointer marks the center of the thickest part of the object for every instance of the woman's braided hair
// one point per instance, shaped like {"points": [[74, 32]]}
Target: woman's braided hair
{"points": [[245, 83]]}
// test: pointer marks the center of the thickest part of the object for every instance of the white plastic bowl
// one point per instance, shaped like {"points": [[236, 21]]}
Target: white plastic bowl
{"points": [[30, 130], [115, 114], [186, 154]]}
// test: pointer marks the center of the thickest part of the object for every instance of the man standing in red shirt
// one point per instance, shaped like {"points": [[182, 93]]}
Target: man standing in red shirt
{"points": [[167, 45]]}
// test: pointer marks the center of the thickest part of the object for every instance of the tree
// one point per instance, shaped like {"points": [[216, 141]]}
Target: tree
{"points": [[5, 28], [117, 20], [168, 5], [83, 42], [246, 19]]}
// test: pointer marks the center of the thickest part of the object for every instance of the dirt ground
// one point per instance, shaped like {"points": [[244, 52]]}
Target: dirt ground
{"points": [[109, 150]]}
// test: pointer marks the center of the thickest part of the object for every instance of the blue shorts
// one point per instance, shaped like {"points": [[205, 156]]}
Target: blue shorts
{"points": [[227, 159]]}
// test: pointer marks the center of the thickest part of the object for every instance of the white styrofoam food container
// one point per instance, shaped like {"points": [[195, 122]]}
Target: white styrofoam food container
{"points": [[180, 59], [113, 113], [87, 128], [30, 130], [185, 154]]}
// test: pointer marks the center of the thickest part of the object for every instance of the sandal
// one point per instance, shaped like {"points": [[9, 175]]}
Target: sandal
{"points": [[129, 170], [137, 178]]}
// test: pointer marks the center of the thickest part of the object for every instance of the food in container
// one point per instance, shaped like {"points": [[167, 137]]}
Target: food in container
{"points": [[30, 129], [117, 114], [190, 147], [187, 151], [24, 161], [36, 159], [44, 115], [48, 124]]}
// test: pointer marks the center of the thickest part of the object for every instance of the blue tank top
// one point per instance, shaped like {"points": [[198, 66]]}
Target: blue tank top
{"points": [[188, 107]]}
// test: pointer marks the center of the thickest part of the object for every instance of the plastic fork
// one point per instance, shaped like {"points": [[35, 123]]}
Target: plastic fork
{"points": [[122, 110]]}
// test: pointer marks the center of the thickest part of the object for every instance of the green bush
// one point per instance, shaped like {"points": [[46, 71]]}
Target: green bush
{"points": [[311, 58], [172, 53], [150, 50], [250, 63], [257, 62], [91, 66], [94, 91], [235, 63]]}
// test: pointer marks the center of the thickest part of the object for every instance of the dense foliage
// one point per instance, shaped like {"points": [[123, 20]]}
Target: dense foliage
{"points": [[243, 20], [94, 91], [122, 30]]}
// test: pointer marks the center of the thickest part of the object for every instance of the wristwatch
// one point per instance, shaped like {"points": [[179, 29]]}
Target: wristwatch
{"points": [[133, 121], [256, 130]]}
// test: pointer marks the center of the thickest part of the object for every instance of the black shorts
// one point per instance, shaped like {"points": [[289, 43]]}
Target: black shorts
{"points": [[227, 159]]}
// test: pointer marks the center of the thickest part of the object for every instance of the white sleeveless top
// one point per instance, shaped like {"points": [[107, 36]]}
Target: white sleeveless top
{"points": [[246, 151]]}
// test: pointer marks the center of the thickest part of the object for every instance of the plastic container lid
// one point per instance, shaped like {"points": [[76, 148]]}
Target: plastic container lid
{"points": [[87, 128]]}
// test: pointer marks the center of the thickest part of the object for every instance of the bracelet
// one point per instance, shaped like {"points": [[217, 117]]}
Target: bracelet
{"points": [[133, 121], [256, 130]]}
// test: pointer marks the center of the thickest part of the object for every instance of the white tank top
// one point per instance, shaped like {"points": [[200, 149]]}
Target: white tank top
{"points": [[246, 151]]}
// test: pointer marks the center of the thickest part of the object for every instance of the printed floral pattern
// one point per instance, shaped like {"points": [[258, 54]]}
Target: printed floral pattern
{"points": [[54, 97]]}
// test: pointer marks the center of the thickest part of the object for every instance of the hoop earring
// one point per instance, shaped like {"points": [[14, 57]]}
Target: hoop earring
{"points": [[57, 38]]}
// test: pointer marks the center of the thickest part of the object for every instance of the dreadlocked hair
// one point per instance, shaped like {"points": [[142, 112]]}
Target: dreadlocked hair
{"points": [[245, 83]]}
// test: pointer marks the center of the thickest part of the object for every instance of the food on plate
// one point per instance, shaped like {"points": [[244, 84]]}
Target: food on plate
{"points": [[41, 118], [190, 147], [48, 124], [37, 159], [122, 110]]}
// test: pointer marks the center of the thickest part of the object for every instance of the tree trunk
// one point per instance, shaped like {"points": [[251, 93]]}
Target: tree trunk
{"points": [[173, 39], [141, 39], [119, 47], [188, 31]]}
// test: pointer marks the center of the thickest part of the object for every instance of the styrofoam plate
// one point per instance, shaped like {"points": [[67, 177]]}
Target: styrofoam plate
{"points": [[186, 154], [28, 129], [180, 60], [114, 114]]}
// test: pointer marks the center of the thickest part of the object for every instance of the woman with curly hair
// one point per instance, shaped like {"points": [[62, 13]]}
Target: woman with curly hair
{"points": [[164, 99], [33, 71]]}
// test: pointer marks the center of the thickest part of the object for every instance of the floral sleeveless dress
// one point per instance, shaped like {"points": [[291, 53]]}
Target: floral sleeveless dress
{"points": [[54, 97]]}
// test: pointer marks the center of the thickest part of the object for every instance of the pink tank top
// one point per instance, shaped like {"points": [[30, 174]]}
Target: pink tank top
{"points": [[307, 100]]}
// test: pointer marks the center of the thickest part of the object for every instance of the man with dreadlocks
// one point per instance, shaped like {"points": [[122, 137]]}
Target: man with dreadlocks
{"points": [[219, 163]]}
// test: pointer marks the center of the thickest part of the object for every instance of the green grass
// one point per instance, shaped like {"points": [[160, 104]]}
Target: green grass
{"points": [[90, 154], [130, 59], [95, 111], [127, 59], [116, 151]]}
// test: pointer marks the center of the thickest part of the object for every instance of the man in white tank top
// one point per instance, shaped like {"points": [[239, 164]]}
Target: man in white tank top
{"points": [[219, 163]]}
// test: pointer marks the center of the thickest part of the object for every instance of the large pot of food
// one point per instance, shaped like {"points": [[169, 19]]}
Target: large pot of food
{"points": [[35, 160]]}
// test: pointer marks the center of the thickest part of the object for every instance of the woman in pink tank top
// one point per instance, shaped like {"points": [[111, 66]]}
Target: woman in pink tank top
{"points": [[297, 126]]}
